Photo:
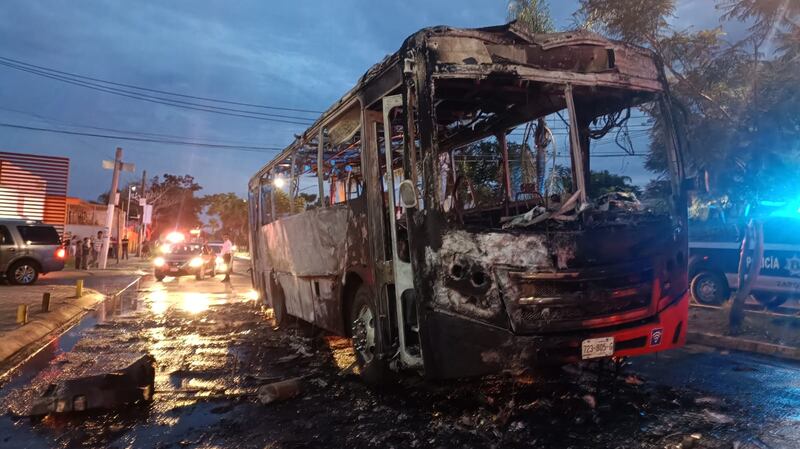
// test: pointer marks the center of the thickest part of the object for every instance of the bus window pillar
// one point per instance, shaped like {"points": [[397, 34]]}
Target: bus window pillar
{"points": [[272, 202], [578, 167], [321, 167], [292, 181], [501, 140]]}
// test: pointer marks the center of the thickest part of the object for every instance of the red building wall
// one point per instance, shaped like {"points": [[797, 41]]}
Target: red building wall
{"points": [[34, 187]]}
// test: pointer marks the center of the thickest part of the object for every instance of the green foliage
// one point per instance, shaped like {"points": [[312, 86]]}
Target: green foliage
{"points": [[602, 182], [767, 19], [534, 15], [229, 213], [636, 21], [174, 202], [737, 107], [283, 203], [480, 165]]}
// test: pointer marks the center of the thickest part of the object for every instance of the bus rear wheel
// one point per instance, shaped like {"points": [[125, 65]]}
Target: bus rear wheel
{"points": [[278, 305], [365, 337]]}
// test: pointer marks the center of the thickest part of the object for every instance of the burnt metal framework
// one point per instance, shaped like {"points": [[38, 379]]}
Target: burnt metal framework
{"points": [[443, 89]]}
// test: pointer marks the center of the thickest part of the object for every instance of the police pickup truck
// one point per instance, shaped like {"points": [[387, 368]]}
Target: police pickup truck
{"points": [[714, 262]]}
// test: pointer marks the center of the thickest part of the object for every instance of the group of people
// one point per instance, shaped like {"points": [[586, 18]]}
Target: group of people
{"points": [[86, 251]]}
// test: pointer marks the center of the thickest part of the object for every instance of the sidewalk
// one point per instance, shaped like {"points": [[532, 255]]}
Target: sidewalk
{"points": [[131, 266], [762, 332], [64, 308]]}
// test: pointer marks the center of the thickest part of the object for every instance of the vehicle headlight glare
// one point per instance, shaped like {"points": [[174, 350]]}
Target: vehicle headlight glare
{"points": [[197, 262], [159, 261]]}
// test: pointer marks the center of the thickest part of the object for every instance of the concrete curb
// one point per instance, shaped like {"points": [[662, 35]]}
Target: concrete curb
{"points": [[39, 327], [739, 344]]}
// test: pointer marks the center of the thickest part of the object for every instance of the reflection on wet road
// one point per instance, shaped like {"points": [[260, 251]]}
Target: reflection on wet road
{"points": [[214, 346]]}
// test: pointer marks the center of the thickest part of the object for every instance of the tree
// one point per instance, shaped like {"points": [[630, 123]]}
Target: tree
{"points": [[534, 15], [229, 212], [174, 203], [768, 19], [640, 22], [602, 182], [736, 106], [283, 204]]}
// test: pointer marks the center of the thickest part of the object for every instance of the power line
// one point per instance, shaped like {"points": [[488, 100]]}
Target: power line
{"points": [[255, 149], [135, 133], [216, 100], [166, 101]]}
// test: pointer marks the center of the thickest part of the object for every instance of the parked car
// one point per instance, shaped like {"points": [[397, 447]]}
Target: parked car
{"points": [[182, 259], [714, 262], [28, 249]]}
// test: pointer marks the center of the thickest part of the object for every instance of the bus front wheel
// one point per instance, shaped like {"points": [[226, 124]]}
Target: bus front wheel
{"points": [[365, 337]]}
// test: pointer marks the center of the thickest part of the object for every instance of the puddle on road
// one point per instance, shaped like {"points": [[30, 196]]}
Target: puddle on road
{"points": [[154, 321], [65, 342]]}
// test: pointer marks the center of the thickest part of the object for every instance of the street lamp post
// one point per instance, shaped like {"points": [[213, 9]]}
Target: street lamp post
{"points": [[131, 189]]}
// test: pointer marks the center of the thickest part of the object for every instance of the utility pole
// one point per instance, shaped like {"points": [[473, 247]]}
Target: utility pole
{"points": [[117, 165], [141, 214], [131, 189], [112, 196]]}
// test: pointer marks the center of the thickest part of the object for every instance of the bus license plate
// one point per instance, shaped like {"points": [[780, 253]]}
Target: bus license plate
{"points": [[597, 347]]}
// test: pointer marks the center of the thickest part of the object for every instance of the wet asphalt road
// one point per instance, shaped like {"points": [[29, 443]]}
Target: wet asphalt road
{"points": [[214, 346]]}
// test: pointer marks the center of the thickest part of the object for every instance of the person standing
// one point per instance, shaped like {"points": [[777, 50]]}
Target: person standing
{"points": [[77, 250], [113, 247], [125, 243], [71, 246], [88, 251], [227, 256], [96, 247]]}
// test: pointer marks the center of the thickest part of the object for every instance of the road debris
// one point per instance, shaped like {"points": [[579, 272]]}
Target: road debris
{"points": [[102, 382], [718, 418], [279, 391], [633, 380]]}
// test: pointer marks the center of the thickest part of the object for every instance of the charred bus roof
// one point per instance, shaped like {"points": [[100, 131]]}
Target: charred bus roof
{"points": [[508, 53]]}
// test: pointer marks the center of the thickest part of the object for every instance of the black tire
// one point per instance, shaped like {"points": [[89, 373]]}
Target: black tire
{"points": [[770, 300], [159, 277], [23, 272], [279, 306], [710, 288], [365, 338], [199, 276]]}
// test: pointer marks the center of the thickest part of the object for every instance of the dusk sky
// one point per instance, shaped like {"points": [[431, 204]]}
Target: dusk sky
{"points": [[300, 54]]}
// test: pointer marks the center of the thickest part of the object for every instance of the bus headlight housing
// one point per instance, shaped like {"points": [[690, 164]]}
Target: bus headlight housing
{"points": [[159, 261]]}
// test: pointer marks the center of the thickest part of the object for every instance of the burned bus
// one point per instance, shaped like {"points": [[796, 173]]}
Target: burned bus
{"points": [[380, 222]]}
